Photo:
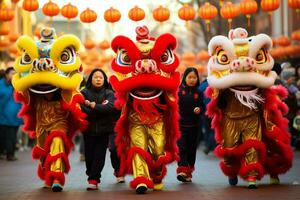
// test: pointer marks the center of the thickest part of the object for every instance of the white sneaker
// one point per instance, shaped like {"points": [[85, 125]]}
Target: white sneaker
{"points": [[92, 185], [120, 179]]}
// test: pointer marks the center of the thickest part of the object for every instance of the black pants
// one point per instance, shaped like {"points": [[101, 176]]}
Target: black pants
{"points": [[95, 152], [8, 139], [187, 146]]}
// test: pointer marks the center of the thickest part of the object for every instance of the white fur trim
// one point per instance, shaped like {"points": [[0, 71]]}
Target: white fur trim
{"points": [[242, 78], [248, 98], [223, 41]]}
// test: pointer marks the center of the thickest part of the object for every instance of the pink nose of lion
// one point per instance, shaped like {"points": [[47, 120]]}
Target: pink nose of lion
{"points": [[243, 64], [145, 66]]}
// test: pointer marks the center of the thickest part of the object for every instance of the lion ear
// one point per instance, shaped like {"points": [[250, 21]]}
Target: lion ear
{"points": [[27, 44]]}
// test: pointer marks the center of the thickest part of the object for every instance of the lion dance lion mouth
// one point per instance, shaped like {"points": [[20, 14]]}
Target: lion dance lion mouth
{"points": [[147, 68], [48, 64]]}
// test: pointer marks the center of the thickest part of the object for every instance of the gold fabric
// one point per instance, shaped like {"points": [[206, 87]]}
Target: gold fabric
{"points": [[240, 123], [149, 138], [50, 116], [57, 146]]}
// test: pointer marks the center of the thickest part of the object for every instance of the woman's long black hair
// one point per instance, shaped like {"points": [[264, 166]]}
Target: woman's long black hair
{"points": [[186, 72], [89, 81]]}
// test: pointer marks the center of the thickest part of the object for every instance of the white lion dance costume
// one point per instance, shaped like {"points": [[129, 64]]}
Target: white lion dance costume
{"points": [[46, 84], [246, 108]]}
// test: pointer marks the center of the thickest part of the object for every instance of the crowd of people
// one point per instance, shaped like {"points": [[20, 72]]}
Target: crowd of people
{"points": [[195, 127]]}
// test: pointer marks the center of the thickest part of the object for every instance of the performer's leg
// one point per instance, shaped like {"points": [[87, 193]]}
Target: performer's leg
{"points": [[157, 142], [251, 168], [231, 137], [139, 153], [89, 149]]}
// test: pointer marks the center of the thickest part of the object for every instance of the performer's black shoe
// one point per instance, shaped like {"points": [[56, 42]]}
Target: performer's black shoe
{"points": [[56, 186], [233, 181], [252, 182], [183, 177], [141, 188]]}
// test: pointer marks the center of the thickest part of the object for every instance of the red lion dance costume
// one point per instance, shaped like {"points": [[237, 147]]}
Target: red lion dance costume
{"points": [[46, 84], [146, 86], [246, 108]]}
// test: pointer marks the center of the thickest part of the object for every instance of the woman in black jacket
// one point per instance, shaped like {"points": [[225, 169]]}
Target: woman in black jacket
{"points": [[99, 107]]}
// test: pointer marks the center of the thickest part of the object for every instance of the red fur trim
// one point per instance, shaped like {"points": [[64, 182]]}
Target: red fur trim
{"points": [[247, 168], [51, 176], [230, 171], [242, 149], [68, 144], [184, 169], [141, 152], [146, 80], [50, 159], [163, 160], [38, 152], [157, 178], [41, 172], [141, 179]]}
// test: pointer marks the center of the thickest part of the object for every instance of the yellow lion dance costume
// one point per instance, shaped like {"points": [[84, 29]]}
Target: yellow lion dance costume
{"points": [[46, 84]]}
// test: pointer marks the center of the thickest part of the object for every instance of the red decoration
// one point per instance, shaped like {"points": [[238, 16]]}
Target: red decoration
{"points": [[161, 14], [207, 12], [88, 16], [69, 11], [6, 14], [136, 14], [50, 9], [112, 15], [30, 5], [186, 13], [230, 11], [248, 7]]}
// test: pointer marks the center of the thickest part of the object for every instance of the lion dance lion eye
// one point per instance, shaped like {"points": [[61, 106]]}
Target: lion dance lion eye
{"points": [[222, 58], [26, 59], [123, 58], [66, 57], [261, 56], [167, 57]]}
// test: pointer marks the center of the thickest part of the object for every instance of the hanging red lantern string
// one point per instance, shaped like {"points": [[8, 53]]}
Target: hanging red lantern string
{"points": [[248, 7], [207, 12], [230, 11]]}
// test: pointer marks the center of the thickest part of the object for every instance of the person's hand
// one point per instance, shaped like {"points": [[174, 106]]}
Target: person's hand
{"points": [[197, 110], [92, 104], [87, 102]]}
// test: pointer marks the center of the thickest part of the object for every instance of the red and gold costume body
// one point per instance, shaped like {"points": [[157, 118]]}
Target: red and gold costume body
{"points": [[247, 111], [146, 89], [46, 84]]}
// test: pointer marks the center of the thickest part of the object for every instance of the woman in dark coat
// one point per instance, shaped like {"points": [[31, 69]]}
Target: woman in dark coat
{"points": [[99, 107]]}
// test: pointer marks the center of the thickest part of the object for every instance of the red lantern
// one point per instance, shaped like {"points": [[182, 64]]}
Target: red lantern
{"points": [[186, 13], [104, 45], [6, 14], [207, 12], [294, 4], [13, 37], [88, 16], [248, 7], [4, 42], [203, 55], [89, 44], [296, 35], [50, 9], [4, 29], [161, 14], [112, 15], [230, 11], [269, 6], [69, 11], [15, 1], [136, 14], [30, 5], [283, 41]]}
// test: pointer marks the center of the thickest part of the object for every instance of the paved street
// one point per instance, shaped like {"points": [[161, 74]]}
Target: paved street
{"points": [[18, 180]]}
